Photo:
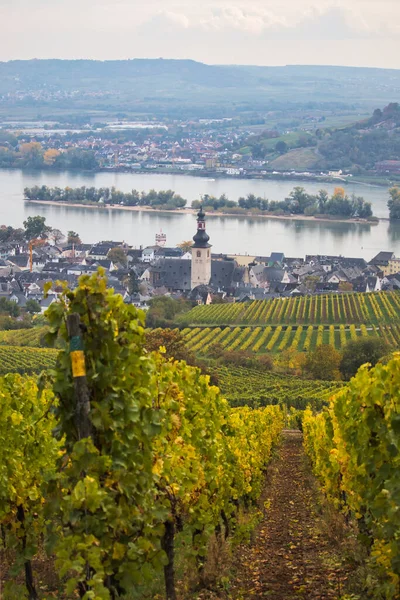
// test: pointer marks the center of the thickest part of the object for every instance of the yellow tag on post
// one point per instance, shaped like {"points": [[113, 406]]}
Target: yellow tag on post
{"points": [[78, 363]]}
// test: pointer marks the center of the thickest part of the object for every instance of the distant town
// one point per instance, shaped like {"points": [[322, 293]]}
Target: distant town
{"points": [[305, 148], [190, 270]]}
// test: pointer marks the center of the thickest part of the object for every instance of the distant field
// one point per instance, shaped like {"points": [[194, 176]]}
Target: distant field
{"points": [[23, 360], [278, 338], [299, 159], [375, 308], [23, 337]]}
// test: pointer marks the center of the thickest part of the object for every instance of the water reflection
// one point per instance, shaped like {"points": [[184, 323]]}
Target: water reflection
{"points": [[232, 234]]}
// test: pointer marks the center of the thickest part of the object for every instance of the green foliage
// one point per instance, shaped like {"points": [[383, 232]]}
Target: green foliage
{"points": [[73, 237], [108, 531], [163, 311], [32, 306], [354, 447], [35, 227], [117, 255], [90, 195], [28, 455], [361, 351], [298, 202], [164, 448], [9, 307], [394, 203], [323, 363]]}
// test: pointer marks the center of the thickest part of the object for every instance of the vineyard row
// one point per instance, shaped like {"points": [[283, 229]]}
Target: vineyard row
{"points": [[276, 339], [377, 307]]}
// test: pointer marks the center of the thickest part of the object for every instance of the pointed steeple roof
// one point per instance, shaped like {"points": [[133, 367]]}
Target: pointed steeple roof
{"points": [[201, 238]]}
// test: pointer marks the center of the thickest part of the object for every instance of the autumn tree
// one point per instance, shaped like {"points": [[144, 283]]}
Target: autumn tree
{"points": [[32, 154], [50, 156], [323, 363], [185, 246], [171, 341]]}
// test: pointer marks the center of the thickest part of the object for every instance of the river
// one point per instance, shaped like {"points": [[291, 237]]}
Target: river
{"points": [[241, 235]]}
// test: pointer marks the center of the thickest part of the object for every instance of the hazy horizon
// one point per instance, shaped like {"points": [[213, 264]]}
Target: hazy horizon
{"points": [[297, 32]]}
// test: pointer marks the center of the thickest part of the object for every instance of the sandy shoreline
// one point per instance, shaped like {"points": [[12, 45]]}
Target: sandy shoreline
{"points": [[192, 211]]}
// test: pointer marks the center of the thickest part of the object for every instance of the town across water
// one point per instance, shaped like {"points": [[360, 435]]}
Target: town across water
{"points": [[230, 234]]}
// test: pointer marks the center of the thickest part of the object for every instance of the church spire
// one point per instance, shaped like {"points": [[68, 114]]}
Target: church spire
{"points": [[201, 238]]}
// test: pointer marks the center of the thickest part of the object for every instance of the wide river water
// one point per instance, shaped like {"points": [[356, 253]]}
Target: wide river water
{"points": [[240, 235]]}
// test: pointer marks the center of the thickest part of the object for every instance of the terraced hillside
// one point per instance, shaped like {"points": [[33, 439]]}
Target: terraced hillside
{"points": [[351, 308]]}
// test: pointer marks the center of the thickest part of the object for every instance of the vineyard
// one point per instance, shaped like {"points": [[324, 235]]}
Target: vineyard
{"points": [[354, 447], [157, 452], [21, 360], [23, 337], [252, 387], [351, 308], [276, 339]]}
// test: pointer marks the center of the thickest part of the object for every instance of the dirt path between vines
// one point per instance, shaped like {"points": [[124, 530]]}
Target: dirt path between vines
{"points": [[291, 556]]}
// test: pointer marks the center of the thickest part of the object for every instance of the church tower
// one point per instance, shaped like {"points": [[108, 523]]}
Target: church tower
{"points": [[201, 253]]}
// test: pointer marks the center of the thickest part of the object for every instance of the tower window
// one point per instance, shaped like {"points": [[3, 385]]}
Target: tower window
{"points": [[208, 254], [198, 253]]}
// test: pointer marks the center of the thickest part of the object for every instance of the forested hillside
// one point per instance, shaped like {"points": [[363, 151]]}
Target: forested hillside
{"points": [[356, 147]]}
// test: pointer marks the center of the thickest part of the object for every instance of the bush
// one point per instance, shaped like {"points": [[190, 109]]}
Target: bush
{"points": [[361, 351]]}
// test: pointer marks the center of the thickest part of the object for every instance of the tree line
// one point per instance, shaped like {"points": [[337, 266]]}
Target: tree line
{"points": [[32, 155], [166, 199], [299, 202]]}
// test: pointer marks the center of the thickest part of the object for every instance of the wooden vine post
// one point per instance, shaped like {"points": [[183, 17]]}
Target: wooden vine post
{"points": [[82, 396]]}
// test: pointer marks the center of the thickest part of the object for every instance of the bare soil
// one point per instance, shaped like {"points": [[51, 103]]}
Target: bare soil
{"points": [[296, 552]]}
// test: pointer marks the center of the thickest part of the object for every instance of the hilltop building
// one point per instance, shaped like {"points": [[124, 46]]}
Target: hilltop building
{"points": [[201, 254]]}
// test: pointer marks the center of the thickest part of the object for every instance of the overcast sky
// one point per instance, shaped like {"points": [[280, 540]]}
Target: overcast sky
{"points": [[260, 32]]}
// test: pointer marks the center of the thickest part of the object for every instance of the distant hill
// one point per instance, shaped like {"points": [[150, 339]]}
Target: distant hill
{"points": [[181, 87], [356, 147]]}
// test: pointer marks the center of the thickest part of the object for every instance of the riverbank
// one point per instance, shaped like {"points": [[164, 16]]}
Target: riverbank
{"points": [[193, 211], [367, 180]]}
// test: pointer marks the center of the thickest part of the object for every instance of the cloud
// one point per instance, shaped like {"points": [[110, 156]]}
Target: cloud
{"points": [[326, 23]]}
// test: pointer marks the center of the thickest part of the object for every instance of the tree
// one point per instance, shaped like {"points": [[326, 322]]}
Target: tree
{"points": [[117, 255], [50, 156], [361, 351], [57, 236], [132, 283], [281, 147], [322, 199], [323, 363], [185, 246], [32, 154], [394, 203], [35, 227], [163, 311], [32, 306], [9, 307], [173, 343], [73, 238]]}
